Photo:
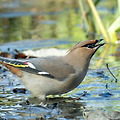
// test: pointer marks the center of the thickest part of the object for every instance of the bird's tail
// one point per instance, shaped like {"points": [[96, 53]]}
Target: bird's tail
{"points": [[17, 65], [12, 65], [12, 62]]}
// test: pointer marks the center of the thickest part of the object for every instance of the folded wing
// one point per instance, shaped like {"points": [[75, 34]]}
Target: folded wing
{"points": [[53, 67]]}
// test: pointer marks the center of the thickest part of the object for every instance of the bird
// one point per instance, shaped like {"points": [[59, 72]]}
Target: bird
{"points": [[54, 75]]}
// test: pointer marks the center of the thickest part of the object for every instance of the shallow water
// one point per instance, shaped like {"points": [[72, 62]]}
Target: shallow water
{"points": [[102, 93], [40, 26]]}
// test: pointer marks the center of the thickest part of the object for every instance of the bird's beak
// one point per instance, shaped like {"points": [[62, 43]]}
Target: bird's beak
{"points": [[98, 45]]}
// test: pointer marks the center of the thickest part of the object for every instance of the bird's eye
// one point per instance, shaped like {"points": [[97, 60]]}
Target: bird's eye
{"points": [[89, 45]]}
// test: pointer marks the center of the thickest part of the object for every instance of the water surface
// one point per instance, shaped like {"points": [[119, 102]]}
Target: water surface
{"points": [[26, 25]]}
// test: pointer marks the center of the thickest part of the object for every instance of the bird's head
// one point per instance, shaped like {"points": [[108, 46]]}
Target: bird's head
{"points": [[88, 48], [83, 51]]}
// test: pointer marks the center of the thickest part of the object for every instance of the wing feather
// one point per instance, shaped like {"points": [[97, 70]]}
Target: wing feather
{"points": [[50, 67]]}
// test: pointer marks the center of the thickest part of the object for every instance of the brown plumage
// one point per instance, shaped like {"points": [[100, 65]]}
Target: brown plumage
{"points": [[54, 75]]}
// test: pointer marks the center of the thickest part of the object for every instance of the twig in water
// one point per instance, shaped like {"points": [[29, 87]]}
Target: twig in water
{"points": [[106, 85], [80, 96], [29, 105], [111, 73]]}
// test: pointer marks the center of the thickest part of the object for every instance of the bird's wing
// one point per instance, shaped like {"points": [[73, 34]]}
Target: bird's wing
{"points": [[49, 67], [54, 66]]}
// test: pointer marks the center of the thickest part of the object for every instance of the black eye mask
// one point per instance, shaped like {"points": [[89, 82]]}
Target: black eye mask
{"points": [[94, 44]]}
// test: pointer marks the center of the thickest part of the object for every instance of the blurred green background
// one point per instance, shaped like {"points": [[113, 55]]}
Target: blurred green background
{"points": [[33, 24], [58, 19]]}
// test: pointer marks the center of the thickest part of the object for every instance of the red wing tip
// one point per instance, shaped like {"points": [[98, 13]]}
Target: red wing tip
{"points": [[26, 63]]}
